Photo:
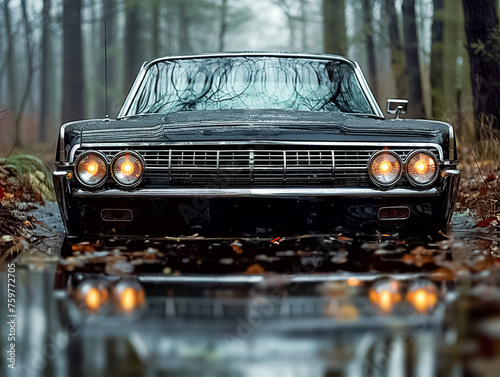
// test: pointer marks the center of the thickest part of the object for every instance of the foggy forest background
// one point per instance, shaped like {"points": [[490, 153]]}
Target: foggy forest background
{"points": [[52, 52]]}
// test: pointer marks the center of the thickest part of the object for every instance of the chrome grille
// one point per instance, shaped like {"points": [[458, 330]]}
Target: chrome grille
{"points": [[180, 167]]}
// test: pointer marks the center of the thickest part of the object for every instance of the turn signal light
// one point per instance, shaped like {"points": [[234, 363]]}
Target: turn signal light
{"points": [[393, 213]]}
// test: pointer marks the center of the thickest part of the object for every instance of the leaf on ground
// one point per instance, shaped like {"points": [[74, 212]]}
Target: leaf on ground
{"points": [[486, 222], [491, 177], [255, 269], [237, 247]]}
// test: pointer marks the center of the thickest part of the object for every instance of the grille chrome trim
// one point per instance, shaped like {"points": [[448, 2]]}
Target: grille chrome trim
{"points": [[166, 145], [342, 165]]}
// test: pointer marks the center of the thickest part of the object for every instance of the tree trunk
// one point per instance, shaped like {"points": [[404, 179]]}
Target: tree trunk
{"points": [[437, 61], [184, 40], [12, 87], [44, 72], [303, 22], [334, 28], [133, 57], [370, 48], [156, 28], [72, 107], [29, 77], [109, 14], [397, 53], [416, 107], [223, 24], [482, 31]]}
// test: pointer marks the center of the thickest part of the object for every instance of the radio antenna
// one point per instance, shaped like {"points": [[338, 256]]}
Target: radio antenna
{"points": [[106, 68]]}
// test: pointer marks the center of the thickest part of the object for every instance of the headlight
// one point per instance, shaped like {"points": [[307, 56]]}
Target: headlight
{"points": [[423, 295], [127, 168], [385, 294], [384, 168], [128, 296], [421, 168], [91, 296], [91, 169]]}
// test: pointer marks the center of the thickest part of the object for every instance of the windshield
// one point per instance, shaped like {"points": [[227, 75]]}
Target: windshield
{"points": [[249, 83]]}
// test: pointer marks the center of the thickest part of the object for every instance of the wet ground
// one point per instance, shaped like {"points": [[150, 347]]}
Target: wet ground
{"points": [[306, 305]]}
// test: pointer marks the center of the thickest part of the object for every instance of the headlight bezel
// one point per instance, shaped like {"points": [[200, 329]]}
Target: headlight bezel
{"points": [[371, 175], [106, 173], [138, 157], [411, 180]]}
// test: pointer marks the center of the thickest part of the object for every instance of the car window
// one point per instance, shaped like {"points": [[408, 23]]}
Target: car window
{"points": [[249, 83]]}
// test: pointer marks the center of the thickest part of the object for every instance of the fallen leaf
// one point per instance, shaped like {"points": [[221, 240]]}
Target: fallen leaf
{"points": [[237, 247], [276, 240], [255, 269], [490, 178], [484, 244], [486, 222]]}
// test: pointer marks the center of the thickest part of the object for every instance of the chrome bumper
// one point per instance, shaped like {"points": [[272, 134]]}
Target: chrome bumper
{"points": [[253, 192], [267, 192]]}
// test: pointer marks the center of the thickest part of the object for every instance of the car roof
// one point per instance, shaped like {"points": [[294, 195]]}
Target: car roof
{"points": [[250, 54]]}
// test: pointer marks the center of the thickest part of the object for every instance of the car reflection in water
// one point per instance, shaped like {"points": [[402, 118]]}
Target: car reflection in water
{"points": [[309, 305]]}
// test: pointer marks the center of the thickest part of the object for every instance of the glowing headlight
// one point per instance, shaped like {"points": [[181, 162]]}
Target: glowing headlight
{"points": [[91, 169], [127, 168], [385, 294], [91, 296], [384, 168], [422, 294], [128, 296], [421, 168]]}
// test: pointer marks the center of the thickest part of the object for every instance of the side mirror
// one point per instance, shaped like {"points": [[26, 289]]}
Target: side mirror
{"points": [[397, 106]]}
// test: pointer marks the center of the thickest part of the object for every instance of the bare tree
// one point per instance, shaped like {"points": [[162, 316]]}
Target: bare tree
{"points": [[184, 21], [412, 59], [44, 69], [335, 38], [132, 42], [73, 87], [483, 44], [397, 52], [11, 76], [370, 47], [29, 69], [223, 24]]}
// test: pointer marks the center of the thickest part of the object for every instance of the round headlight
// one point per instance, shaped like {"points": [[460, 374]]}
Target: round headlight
{"points": [[385, 294], [127, 168], [91, 296], [91, 169], [421, 168], [384, 168], [128, 296], [423, 295]]}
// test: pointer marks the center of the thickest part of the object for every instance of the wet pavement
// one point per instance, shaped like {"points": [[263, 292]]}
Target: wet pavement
{"points": [[306, 305]]}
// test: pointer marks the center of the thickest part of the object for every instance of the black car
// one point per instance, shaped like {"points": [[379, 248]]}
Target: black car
{"points": [[254, 143]]}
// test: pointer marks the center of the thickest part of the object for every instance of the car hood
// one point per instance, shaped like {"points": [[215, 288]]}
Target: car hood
{"points": [[254, 125]]}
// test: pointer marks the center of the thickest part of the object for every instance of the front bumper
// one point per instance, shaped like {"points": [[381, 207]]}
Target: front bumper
{"points": [[222, 211]]}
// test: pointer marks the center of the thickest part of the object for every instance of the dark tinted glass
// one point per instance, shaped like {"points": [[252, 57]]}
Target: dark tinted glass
{"points": [[250, 83]]}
